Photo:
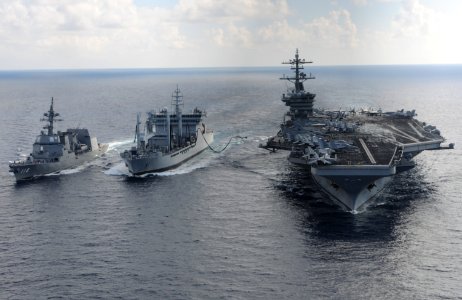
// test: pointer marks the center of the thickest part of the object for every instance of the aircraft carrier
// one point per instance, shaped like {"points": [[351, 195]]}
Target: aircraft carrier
{"points": [[352, 155]]}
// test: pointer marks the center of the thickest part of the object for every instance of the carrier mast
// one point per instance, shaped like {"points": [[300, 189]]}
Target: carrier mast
{"points": [[300, 77], [299, 100]]}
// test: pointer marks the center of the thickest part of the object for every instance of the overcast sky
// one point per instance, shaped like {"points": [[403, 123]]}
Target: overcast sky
{"points": [[50, 34]]}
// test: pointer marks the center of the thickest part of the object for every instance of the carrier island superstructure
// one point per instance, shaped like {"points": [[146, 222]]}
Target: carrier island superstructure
{"points": [[352, 155], [53, 152], [169, 139]]}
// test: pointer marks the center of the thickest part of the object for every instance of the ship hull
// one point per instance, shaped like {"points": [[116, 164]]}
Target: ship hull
{"points": [[352, 155], [353, 186], [25, 171], [158, 162], [352, 199]]}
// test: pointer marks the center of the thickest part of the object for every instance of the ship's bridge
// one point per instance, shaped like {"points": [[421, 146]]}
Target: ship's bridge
{"points": [[47, 147], [47, 139], [301, 103]]}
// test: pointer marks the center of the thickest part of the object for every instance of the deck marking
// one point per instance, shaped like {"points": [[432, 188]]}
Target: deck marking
{"points": [[404, 133], [369, 154], [416, 131]]}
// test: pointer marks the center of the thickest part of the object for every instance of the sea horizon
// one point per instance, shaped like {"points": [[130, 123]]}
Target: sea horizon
{"points": [[281, 66]]}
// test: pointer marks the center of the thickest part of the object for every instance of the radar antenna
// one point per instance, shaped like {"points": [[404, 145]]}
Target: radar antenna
{"points": [[300, 77]]}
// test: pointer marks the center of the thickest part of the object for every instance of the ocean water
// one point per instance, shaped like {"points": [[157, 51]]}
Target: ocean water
{"points": [[242, 224]]}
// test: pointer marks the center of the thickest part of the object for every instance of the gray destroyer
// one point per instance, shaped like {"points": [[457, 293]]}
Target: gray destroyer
{"points": [[169, 139], [54, 152], [352, 155]]}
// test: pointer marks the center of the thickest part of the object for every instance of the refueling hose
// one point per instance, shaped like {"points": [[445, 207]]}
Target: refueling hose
{"points": [[226, 146]]}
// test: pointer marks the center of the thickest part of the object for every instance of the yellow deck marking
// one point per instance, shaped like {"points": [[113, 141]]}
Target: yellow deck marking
{"points": [[369, 154]]}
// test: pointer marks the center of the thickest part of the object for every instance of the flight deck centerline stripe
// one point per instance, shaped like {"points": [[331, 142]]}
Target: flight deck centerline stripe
{"points": [[369, 154]]}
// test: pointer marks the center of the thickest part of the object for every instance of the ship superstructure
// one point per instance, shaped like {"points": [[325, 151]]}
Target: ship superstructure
{"points": [[352, 155], [299, 101], [53, 152], [169, 138]]}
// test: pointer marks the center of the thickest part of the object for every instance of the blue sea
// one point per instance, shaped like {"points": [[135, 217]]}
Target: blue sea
{"points": [[241, 224]]}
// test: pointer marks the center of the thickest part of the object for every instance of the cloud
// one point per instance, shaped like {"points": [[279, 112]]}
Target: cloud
{"points": [[415, 20], [120, 33], [59, 24], [281, 31], [80, 29], [86, 15], [226, 11], [88, 43], [336, 30], [360, 2], [233, 36], [417, 33]]}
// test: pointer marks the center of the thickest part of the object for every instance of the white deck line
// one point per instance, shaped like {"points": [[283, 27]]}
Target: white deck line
{"points": [[415, 129], [369, 154], [404, 133]]}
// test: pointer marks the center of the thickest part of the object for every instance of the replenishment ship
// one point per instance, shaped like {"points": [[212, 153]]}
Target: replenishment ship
{"points": [[169, 139], [352, 155], [54, 152]]}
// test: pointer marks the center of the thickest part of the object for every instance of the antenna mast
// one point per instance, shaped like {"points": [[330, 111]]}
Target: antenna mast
{"points": [[177, 103], [51, 117], [300, 77]]}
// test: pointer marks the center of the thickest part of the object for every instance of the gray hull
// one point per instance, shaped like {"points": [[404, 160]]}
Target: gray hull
{"points": [[352, 186], [351, 154], [158, 161], [25, 171]]}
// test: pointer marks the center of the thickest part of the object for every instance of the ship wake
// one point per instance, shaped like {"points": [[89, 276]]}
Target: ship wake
{"points": [[69, 171], [115, 167], [113, 147], [118, 146], [200, 162]]}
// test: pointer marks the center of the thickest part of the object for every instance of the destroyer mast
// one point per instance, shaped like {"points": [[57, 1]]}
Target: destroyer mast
{"points": [[51, 117]]}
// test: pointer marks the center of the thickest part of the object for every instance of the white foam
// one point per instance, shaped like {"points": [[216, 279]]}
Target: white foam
{"points": [[69, 171], [237, 142], [196, 163], [188, 167], [260, 138], [73, 171], [221, 146], [199, 162], [20, 155], [119, 145], [118, 170]]}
